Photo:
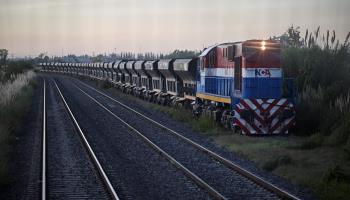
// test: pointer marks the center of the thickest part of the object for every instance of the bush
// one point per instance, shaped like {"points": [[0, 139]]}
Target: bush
{"points": [[104, 84], [321, 68], [346, 149], [10, 89], [335, 174], [14, 68], [11, 116]]}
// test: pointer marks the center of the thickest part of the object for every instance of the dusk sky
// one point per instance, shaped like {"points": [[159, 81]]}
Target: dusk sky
{"points": [[29, 27]]}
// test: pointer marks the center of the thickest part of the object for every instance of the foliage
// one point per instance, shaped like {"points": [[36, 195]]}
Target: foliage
{"points": [[182, 54], [11, 116], [271, 165], [9, 71], [10, 89], [312, 142], [321, 67], [42, 57], [3, 56]]}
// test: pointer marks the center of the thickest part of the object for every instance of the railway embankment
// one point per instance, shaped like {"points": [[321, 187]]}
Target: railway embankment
{"points": [[17, 87]]}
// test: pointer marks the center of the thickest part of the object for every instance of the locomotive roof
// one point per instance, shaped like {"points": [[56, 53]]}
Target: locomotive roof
{"points": [[207, 50]]}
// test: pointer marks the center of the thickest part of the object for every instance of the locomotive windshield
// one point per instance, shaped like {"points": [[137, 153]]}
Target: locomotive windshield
{"points": [[260, 52], [261, 46]]}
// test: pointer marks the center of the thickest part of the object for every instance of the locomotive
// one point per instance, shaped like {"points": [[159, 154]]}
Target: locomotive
{"points": [[239, 84]]}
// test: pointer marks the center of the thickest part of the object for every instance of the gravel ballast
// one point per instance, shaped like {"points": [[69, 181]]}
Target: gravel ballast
{"points": [[135, 170]]}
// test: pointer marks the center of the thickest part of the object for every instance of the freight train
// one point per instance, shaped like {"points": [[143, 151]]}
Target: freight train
{"points": [[238, 84]]}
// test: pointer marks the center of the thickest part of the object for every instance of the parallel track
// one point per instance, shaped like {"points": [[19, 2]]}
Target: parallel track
{"points": [[172, 160], [43, 175], [229, 164], [97, 166]]}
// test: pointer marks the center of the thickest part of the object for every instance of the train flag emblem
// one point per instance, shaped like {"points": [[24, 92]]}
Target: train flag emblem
{"points": [[262, 73]]}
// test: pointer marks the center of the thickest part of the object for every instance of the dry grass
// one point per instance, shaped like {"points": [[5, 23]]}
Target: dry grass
{"points": [[10, 89], [15, 101]]}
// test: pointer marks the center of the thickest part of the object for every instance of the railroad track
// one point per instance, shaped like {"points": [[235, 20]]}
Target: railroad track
{"points": [[70, 168], [279, 192]]}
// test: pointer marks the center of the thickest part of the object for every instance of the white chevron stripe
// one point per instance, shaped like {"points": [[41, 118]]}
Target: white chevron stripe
{"points": [[286, 122], [270, 101], [250, 104], [260, 126], [265, 105], [240, 106], [274, 121], [278, 104], [245, 124]]}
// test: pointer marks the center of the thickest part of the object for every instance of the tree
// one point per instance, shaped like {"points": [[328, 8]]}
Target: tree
{"points": [[291, 38], [3, 56]]}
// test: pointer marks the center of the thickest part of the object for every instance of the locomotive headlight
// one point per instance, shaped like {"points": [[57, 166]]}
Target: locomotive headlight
{"points": [[263, 47]]}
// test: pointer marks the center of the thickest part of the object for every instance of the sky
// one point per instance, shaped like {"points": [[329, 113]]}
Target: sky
{"points": [[61, 27]]}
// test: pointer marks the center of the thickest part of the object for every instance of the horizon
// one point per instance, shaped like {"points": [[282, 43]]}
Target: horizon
{"points": [[89, 27]]}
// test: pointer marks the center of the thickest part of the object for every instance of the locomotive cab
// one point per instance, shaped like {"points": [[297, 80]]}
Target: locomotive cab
{"points": [[258, 105]]}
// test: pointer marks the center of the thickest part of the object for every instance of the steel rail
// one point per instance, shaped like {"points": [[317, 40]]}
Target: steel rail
{"points": [[89, 149], [253, 177], [172, 160], [43, 170]]}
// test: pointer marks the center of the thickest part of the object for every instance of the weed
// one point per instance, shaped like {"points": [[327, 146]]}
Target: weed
{"points": [[312, 142], [346, 149], [333, 190], [15, 103], [104, 84], [335, 174], [10, 89], [271, 165]]}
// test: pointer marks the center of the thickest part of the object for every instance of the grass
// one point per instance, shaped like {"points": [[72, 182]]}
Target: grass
{"points": [[10, 89], [301, 160], [12, 112]]}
